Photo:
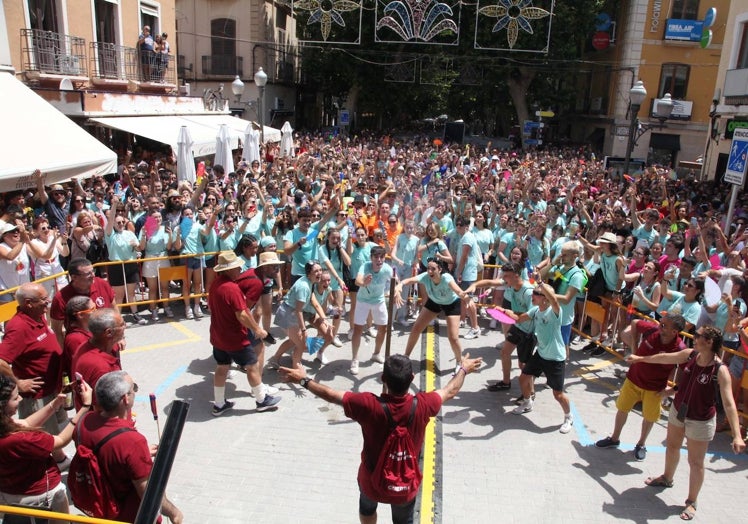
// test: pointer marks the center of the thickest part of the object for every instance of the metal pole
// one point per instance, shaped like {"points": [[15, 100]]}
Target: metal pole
{"points": [[390, 314], [630, 143], [730, 210], [262, 116], [150, 506]]}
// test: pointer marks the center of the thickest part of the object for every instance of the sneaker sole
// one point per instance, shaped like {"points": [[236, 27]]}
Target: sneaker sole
{"points": [[262, 409]]}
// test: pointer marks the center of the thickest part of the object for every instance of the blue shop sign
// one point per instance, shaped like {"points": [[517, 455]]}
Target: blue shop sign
{"points": [[686, 30]]}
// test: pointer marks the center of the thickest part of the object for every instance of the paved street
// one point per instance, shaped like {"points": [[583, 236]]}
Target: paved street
{"points": [[299, 464]]}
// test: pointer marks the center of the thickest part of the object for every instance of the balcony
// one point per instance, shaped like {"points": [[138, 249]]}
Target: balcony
{"points": [[115, 65], [45, 53], [736, 87], [284, 72], [223, 65]]}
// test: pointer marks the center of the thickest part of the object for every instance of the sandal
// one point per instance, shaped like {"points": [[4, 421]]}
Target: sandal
{"points": [[659, 482], [689, 512]]}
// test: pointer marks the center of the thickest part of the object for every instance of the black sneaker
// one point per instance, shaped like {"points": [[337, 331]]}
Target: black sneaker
{"points": [[270, 339], [607, 442], [217, 412], [640, 452], [599, 350], [267, 404], [499, 386]]}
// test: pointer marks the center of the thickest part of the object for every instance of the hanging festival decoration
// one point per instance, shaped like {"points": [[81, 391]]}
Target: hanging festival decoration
{"points": [[418, 22], [403, 71], [527, 26], [339, 21]]}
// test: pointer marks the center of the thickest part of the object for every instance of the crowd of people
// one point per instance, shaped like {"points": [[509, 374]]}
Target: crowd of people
{"points": [[497, 241]]}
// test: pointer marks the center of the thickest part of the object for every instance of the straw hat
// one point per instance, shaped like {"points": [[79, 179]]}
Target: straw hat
{"points": [[227, 260], [607, 238], [269, 258]]}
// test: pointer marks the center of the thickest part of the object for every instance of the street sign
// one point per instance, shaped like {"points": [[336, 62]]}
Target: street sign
{"points": [[545, 114], [344, 117], [736, 163]]}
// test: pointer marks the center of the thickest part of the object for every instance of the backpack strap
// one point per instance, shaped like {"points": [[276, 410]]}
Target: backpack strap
{"points": [[103, 441], [388, 413]]}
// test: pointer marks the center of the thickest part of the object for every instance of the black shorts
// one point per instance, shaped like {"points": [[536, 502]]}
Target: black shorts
{"points": [[450, 310], [524, 342], [506, 304], [211, 262], [246, 356], [119, 274], [552, 369], [353, 288], [267, 289]]}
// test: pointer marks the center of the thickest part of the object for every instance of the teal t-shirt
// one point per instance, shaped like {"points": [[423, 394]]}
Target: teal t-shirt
{"points": [[155, 246], [406, 247], [301, 291], [521, 302], [441, 293], [568, 277], [470, 269], [337, 263], [432, 250], [193, 244], [304, 253], [360, 256], [548, 330], [380, 283], [119, 245], [321, 299]]}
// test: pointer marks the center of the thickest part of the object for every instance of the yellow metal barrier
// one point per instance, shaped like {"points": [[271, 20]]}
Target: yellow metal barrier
{"points": [[44, 514]]}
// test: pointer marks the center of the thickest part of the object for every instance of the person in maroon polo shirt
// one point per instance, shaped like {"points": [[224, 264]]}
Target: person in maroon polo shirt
{"points": [[366, 409], [82, 282], [30, 353], [100, 354], [125, 460], [229, 320]]}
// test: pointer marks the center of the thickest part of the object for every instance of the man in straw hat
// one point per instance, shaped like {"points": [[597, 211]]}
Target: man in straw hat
{"points": [[252, 284], [229, 322]]}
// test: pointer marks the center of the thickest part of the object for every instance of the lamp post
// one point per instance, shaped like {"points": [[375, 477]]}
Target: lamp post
{"points": [[637, 94], [237, 87], [662, 112], [261, 79]]}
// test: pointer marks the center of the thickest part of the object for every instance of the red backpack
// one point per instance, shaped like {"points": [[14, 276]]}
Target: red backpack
{"points": [[90, 491], [397, 476]]}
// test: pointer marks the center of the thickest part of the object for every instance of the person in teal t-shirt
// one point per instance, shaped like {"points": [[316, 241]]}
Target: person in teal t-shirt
{"points": [[444, 295], [550, 357], [373, 281]]}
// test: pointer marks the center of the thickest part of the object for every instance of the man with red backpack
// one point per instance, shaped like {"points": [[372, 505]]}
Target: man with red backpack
{"points": [[123, 457], [393, 427]]}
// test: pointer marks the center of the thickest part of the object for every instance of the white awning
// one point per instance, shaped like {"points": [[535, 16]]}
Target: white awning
{"points": [[238, 124], [165, 129], [38, 136]]}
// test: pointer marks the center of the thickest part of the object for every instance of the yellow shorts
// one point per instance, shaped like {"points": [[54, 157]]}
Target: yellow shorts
{"points": [[631, 394]]}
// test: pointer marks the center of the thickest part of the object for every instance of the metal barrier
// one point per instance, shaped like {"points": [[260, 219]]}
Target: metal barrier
{"points": [[25, 511]]}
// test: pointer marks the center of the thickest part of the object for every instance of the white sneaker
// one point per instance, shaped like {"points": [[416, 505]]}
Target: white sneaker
{"points": [[354, 367], [337, 342], [566, 426], [377, 357], [198, 311], [321, 358], [349, 335], [188, 314], [169, 313], [493, 324], [154, 315], [473, 333], [524, 407], [462, 324]]}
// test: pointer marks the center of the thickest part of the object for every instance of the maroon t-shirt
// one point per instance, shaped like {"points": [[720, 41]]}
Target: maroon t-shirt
{"points": [[122, 460], [32, 349], [698, 387], [92, 364], [251, 286], [74, 339], [365, 409], [652, 377], [26, 463], [101, 293], [224, 300]]}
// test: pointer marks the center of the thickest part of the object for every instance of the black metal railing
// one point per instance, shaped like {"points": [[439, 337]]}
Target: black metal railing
{"points": [[53, 53], [223, 65], [116, 62]]}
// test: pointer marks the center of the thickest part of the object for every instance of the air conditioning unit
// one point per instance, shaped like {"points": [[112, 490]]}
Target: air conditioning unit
{"points": [[184, 90], [279, 103], [69, 64]]}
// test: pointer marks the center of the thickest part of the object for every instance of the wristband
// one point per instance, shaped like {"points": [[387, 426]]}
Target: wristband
{"points": [[86, 406], [463, 370]]}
